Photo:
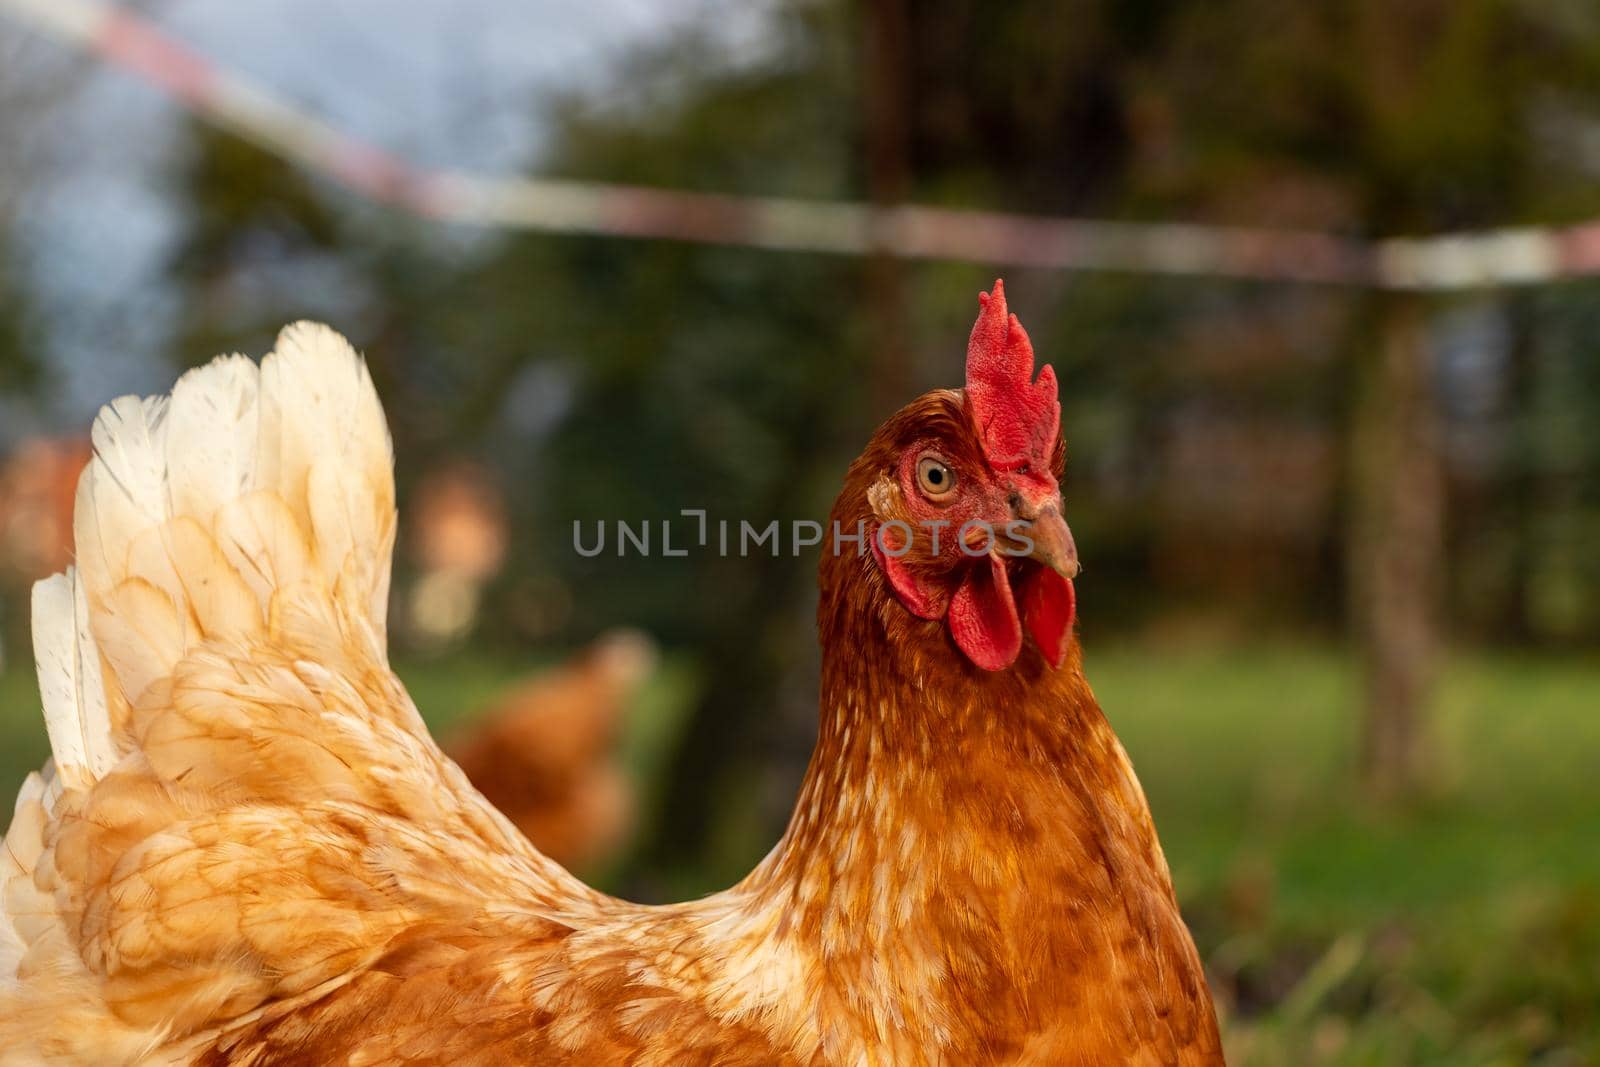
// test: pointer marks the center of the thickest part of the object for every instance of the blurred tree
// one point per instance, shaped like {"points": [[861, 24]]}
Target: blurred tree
{"points": [[38, 81], [1396, 542], [33, 81], [1424, 116], [885, 89], [20, 371], [255, 236]]}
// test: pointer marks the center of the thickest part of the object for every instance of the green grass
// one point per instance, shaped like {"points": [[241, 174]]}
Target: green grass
{"points": [[1462, 930], [23, 746]]}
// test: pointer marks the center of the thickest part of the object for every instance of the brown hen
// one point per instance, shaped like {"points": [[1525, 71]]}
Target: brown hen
{"points": [[249, 851]]}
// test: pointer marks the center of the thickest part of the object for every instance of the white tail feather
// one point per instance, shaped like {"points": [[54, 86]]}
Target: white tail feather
{"points": [[22, 905], [70, 682], [324, 442], [123, 491], [195, 513], [211, 436], [197, 509]]}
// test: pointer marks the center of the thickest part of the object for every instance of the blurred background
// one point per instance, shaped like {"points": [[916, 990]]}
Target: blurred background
{"points": [[1339, 501]]}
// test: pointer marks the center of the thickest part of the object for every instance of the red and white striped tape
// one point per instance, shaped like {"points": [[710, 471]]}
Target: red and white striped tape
{"points": [[1447, 262]]}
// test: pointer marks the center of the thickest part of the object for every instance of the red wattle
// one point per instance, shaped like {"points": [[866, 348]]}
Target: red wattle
{"points": [[983, 616], [1049, 605]]}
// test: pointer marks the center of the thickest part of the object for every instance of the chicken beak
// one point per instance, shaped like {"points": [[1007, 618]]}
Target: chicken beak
{"points": [[1052, 540]]}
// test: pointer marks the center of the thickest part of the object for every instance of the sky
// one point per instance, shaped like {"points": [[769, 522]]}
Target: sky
{"points": [[443, 84]]}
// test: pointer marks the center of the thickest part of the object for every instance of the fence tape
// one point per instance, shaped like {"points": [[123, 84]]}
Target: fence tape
{"points": [[137, 45]]}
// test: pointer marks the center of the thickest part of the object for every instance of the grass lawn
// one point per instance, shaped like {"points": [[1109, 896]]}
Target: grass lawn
{"points": [[1464, 930]]}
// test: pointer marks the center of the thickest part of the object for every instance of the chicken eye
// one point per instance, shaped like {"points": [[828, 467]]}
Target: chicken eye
{"points": [[936, 480]]}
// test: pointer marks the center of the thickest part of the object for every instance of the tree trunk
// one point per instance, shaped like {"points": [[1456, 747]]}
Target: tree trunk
{"points": [[1396, 545], [886, 118]]}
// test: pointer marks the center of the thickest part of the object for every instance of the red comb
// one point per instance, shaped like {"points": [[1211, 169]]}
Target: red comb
{"points": [[1017, 416]]}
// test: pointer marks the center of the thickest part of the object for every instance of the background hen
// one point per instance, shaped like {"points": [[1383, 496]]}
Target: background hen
{"points": [[544, 753]]}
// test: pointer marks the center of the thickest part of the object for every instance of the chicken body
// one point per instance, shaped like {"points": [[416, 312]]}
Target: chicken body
{"points": [[248, 850]]}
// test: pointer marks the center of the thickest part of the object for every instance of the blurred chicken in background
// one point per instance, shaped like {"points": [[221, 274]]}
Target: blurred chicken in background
{"points": [[545, 753], [458, 537], [37, 485], [38, 482]]}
